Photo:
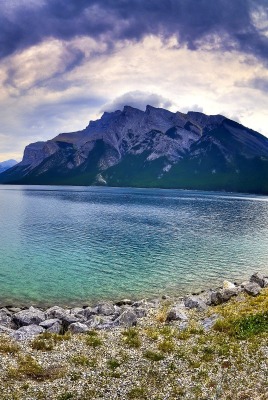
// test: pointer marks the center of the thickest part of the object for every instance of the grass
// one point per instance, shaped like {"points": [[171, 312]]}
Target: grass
{"points": [[93, 340], [137, 393], [43, 344], [153, 355], [7, 346], [113, 364], [131, 337], [227, 362], [167, 346], [244, 320], [29, 368], [80, 360]]}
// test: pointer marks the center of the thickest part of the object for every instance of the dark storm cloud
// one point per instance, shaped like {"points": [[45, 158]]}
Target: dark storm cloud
{"points": [[220, 24]]}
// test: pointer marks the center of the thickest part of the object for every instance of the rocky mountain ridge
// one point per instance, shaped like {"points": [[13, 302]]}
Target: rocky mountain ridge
{"points": [[148, 148]]}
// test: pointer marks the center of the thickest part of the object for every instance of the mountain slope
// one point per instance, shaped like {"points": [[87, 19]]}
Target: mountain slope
{"points": [[4, 165], [151, 148]]}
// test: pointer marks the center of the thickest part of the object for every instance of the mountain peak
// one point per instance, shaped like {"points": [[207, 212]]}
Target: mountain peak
{"points": [[155, 147]]}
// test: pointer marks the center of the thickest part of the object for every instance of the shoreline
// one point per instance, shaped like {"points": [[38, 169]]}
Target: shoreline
{"points": [[27, 322], [167, 349]]}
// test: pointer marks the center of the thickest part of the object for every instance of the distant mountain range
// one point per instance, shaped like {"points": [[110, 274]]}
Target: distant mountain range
{"points": [[151, 148], [4, 165]]}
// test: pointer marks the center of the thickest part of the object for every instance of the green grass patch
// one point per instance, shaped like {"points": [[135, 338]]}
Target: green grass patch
{"points": [[153, 355], [131, 337]]}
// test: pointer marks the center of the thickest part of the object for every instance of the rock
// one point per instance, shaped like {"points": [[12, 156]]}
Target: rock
{"points": [[127, 318], [228, 285], [77, 327], [100, 322], [105, 309], [32, 316], [49, 322], [93, 321], [64, 316], [56, 312], [14, 310], [5, 318], [208, 323], [4, 329], [77, 312], [252, 288], [260, 279], [183, 325], [176, 314], [27, 332], [139, 303], [55, 328], [68, 319], [140, 312], [6, 311], [124, 302], [89, 311], [195, 302], [223, 295]]}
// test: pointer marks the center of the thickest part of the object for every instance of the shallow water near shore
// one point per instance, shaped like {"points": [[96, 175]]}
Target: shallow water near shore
{"points": [[78, 245]]}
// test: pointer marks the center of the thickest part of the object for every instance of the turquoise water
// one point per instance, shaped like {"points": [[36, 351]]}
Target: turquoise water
{"points": [[76, 245]]}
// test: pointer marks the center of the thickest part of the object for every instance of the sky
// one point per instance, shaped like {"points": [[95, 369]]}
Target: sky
{"points": [[65, 62]]}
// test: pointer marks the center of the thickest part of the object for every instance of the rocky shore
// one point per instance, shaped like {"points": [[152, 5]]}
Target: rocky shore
{"points": [[204, 346], [25, 324]]}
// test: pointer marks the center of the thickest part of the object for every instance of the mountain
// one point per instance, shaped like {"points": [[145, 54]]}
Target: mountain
{"points": [[151, 148], [4, 165]]}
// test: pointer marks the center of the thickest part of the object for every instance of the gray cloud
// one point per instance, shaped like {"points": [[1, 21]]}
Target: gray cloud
{"points": [[137, 99], [194, 107], [259, 83], [214, 24]]}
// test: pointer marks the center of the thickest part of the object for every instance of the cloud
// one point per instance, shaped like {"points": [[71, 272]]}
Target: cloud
{"points": [[259, 83], [194, 107], [220, 24], [137, 99]]}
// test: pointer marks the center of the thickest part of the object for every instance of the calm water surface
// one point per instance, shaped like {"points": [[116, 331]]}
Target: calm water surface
{"points": [[76, 245]]}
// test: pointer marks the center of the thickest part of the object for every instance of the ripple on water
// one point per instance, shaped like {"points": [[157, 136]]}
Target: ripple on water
{"points": [[76, 245]]}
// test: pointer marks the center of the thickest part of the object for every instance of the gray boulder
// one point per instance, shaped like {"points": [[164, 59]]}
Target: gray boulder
{"points": [[252, 288], [176, 314], [89, 311], [4, 329], [127, 318], [55, 328], [14, 310], [208, 323], [27, 332], [56, 312], [260, 279], [106, 309], [49, 322], [32, 316], [77, 312], [5, 318], [223, 295], [140, 312], [195, 302], [77, 327], [63, 315]]}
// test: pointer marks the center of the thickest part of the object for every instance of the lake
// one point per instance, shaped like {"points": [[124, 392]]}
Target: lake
{"points": [[78, 245]]}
